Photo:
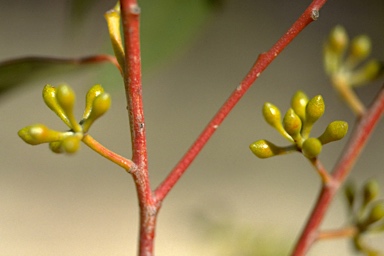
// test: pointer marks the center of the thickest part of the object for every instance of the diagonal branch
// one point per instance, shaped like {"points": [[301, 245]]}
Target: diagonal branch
{"points": [[262, 62]]}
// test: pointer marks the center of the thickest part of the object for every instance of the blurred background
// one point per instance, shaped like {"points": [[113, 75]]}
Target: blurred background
{"points": [[195, 53]]}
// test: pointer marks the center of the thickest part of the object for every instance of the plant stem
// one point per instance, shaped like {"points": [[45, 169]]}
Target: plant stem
{"points": [[262, 62], [127, 164], [339, 233], [130, 12], [362, 131]]}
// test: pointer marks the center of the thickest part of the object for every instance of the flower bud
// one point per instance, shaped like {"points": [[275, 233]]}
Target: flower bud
{"points": [[311, 148], [95, 91], [314, 110], [370, 71], [56, 147], [371, 191], [39, 133], [376, 214], [360, 47], [71, 144], [101, 104], [272, 115], [334, 131], [298, 103], [292, 124], [49, 96], [66, 98], [338, 39], [350, 194], [265, 149]]}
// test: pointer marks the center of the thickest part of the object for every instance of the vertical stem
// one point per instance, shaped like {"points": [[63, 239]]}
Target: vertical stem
{"points": [[130, 12]]}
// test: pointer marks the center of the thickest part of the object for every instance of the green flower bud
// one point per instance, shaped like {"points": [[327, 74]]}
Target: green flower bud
{"points": [[298, 103], [71, 144], [314, 110], [66, 98], [49, 96], [95, 91], [265, 149], [334, 131], [371, 191], [338, 39], [376, 214], [39, 133], [56, 147], [292, 125], [360, 47], [272, 115], [311, 148], [350, 194], [369, 72], [101, 104]]}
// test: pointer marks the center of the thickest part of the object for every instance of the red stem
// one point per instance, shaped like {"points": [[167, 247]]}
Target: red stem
{"points": [[130, 12], [354, 147], [262, 62]]}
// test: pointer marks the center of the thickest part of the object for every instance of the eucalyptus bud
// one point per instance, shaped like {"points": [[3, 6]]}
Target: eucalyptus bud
{"points": [[311, 148], [360, 47], [314, 110], [350, 194], [92, 93], [371, 191], [376, 214], [298, 103], [100, 105], [71, 144], [292, 125], [338, 39], [66, 98], [39, 133], [265, 149], [49, 96], [272, 115], [334, 131]]}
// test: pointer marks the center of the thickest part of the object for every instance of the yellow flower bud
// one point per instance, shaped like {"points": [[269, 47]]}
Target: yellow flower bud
{"points": [[314, 110], [39, 133], [56, 147], [338, 39], [292, 125], [350, 194], [71, 144], [265, 149], [311, 148], [298, 103], [370, 71], [376, 214], [360, 47], [334, 131], [272, 115], [49, 96], [101, 104], [95, 91], [66, 98], [371, 191]]}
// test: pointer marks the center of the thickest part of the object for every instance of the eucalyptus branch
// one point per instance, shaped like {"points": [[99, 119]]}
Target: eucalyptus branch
{"points": [[358, 139], [262, 62]]}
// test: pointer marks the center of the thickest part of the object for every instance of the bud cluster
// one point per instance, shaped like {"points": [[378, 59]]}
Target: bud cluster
{"points": [[61, 101], [366, 209], [296, 126], [343, 59]]}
